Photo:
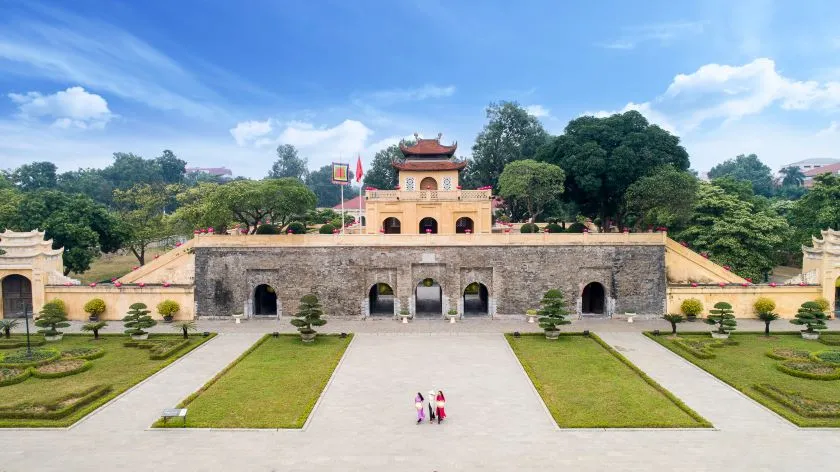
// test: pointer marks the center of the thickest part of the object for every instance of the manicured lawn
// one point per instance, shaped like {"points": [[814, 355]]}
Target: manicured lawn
{"points": [[274, 384], [745, 365], [109, 266], [586, 384], [120, 368]]}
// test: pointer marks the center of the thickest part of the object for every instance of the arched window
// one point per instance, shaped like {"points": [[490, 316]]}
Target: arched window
{"points": [[381, 299], [428, 225], [391, 225], [592, 299], [17, 296], [428, 183], [265, 300], [463, 224]]}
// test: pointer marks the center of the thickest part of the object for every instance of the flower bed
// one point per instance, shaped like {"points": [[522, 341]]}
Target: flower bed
{"points": [[159, 349], [12, 375], [801, 404], [785, 354], [61, 368], [20, 358], [83, 353], [809, 370], [828, 356]]}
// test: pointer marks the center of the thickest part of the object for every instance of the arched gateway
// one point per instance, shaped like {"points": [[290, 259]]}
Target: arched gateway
{"points": [[593, 299], [428, 299], [381, 300], [17, 296], [476, 300], [265, 300]]}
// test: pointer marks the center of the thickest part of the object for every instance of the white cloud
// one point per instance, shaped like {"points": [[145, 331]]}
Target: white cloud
{"points": [[832, 128], [71, 108], [661, 33], [538, 111], [248, 131]]}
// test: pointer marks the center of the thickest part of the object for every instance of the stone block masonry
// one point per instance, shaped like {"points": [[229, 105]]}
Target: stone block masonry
{"points": [[632, 276]]}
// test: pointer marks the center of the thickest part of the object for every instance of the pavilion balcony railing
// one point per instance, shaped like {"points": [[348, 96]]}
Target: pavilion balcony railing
{"points": [[428, 195]]}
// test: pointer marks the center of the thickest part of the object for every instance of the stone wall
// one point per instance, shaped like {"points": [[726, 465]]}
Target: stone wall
{"points": [[633, 276]]}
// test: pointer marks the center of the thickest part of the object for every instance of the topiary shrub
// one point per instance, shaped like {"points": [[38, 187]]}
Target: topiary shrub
{"points": [[60, 303], [576, 228], [763, 308], [722, 317], [326, 229], [138, 319], [529, 228], [552, 313], [691, 307], [52, 317], [811, 316], [95, 307], [554, 228], [296, 227], [168, 309], [267, 229], [823, 303], [308, 315]]}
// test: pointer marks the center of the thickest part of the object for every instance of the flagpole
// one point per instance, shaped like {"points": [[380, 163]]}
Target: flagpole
{"points": [[361, 193], [341, 160]]}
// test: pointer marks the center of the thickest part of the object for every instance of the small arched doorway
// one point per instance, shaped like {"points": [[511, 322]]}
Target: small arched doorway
{"points": [[17, 296], [428, 225], [381, 300], [837, 298], [391, 225], [476, 298], [592, 299], [265, 300], [463, 224], [428, 183], [428, 299]]}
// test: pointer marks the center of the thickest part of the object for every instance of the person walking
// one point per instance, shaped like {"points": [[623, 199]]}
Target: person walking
{"points": [[421, 410], [431, 406], [440, 402]]}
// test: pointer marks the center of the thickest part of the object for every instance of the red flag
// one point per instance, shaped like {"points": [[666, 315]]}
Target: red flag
{"points": [[359, 172]]}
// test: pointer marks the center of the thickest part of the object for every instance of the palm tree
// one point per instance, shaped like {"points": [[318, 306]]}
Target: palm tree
{"points": [[185, 327], [792, 176], [94, 327], [8, 325], [767, 317], [673, 318]]}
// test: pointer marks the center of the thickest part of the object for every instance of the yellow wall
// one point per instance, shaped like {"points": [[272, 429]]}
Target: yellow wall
{"points": [[117, 300], [788, 298], [682, 265], [420, 175], [444, 212], [176, 267]]}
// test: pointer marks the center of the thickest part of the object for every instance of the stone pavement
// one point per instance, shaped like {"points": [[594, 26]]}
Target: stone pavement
{"points": [[365, 418]]}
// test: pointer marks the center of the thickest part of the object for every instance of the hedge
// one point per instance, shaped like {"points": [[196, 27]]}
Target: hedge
{"points": [[786, 368], [164, 350], [795, 354], [830, 339], [88, 353], [828, 356], [701, 353], [16, 343], [25, 373], [86, 365], [800, 404], [53, 409], [54, 355]]}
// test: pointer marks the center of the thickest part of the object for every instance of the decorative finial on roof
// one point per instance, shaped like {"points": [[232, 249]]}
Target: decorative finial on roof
{"points": [[440, 135], [416, 136]]}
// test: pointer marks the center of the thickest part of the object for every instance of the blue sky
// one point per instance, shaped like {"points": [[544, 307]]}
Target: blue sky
{"points": [[223, 83]]}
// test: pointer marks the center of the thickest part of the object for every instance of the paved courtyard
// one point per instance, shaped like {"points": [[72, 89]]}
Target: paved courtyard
{"points": [[365, 419]]}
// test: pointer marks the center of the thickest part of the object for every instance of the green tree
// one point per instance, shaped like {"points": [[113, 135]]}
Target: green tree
{"points": [[327, 193], [288, 164], [137, 319], [308, 315], [74, 222], [748, 168], [197, 209], [811, 316], [510, 134], [381, 173], [552, 312], [95, 307], [664, 198], [734, 233], [172, 169], [743, 189], [35, 176], [129, 169], [94, 327], [817, 210], [141, 214], [793, 176], [602, 157], [533, 184], [51, 317], [88, 182], [674, 319], [763, 308], [723, 317], [7, 325]]}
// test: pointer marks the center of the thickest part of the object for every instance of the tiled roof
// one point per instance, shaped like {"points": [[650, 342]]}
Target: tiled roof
{"points": [[833, 168], [428, 147], [429, 165], [352, 204]]}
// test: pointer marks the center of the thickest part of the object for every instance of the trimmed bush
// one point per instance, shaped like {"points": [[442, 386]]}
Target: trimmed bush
{"points": [[58, 408], [827, 356], [138, 319], [553, 311], [168, 308], [18, 359], [529, 228], [61, 368], [83, 353], [308, 315], [823, 304], [697, 349], [763, 305], [95, 307], [722, 317], [52, 317], [554, 228], [18, 343], [785, 354], [799, 403], [326, 228], [167, 349], [576, 228], [827, 339], [809, 370], [13, 375], [810, 315], [691, 307], [267, 229], [296, 227]]}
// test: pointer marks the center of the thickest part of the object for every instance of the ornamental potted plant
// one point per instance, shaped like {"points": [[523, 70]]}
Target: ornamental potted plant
{"points": [[168, 309], [405, 315], [531, 314], [763, 308], [94, 307], [53, 316], [691, 307], [553, 313], [137, 320], [722, 316], [811, 316], [308, 315], [452, 314]]}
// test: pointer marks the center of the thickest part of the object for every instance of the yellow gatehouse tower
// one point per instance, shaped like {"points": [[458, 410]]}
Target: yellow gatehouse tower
{"points": [[429, 198]]}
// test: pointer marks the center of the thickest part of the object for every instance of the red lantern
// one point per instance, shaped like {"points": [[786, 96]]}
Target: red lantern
{"points": [[745, 284], [626, 230], [166, 284], [141, 284], [157, 255], [382, 230], [458, 187], [117, 284], [684, 244], [726, 267], [585, 230], [801, 284], [243, 231], [507, 230], [211, 230], [693, 284], [468, 231], [722, 284], [67, 283], [114, 279], [134, 268], [772, 284], [748, 279], [178, 244], [705, 254], [428, 230], [198, 231], [545, 230], [335, 231], [93, 284]]}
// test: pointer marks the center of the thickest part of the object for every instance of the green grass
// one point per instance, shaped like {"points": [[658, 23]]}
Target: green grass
{"points": [[109, 266], [121, 367], [746, 365], [587, 384], [274, 384]]}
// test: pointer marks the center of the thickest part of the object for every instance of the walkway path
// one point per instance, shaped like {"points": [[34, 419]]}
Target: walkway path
{"points": [[716, 401]]}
